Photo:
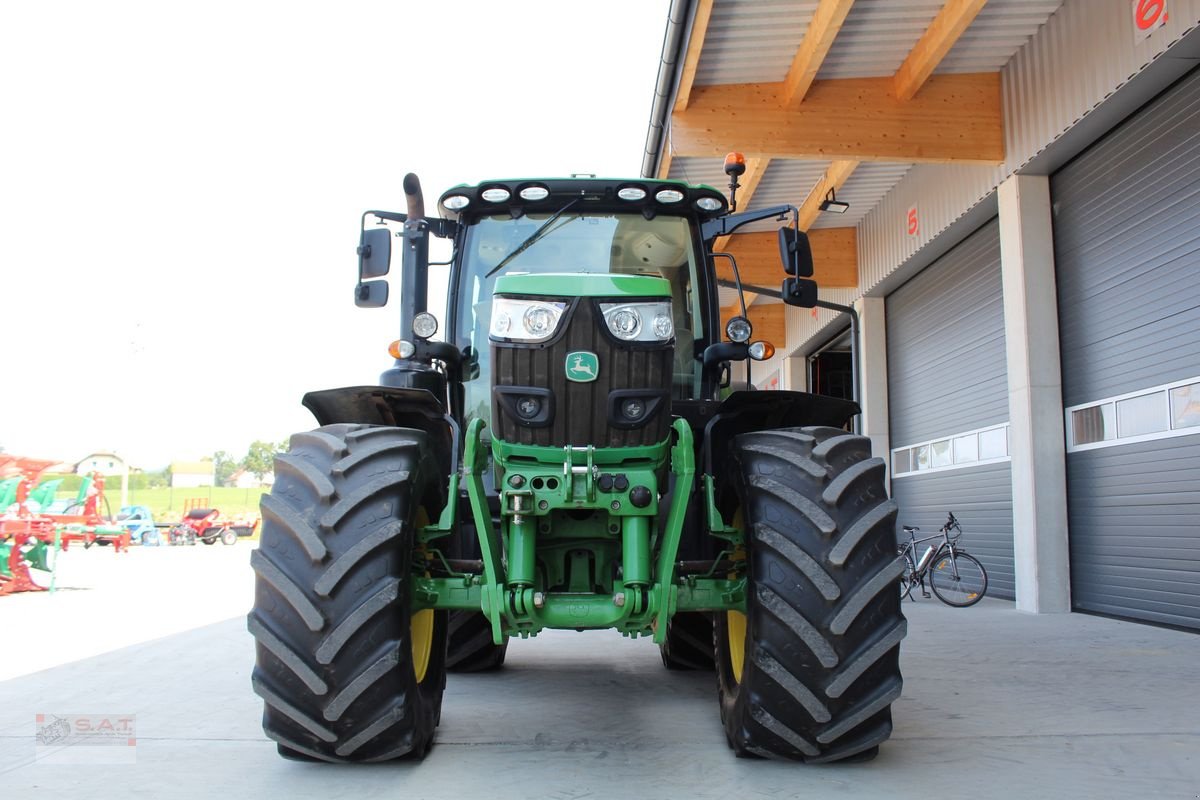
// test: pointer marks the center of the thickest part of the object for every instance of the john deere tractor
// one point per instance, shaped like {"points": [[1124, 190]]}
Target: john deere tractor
{"points": [[572, 453]]}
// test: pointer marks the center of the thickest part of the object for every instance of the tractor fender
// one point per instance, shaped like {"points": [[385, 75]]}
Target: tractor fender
{"points": [[749, 411], [393, 407]]}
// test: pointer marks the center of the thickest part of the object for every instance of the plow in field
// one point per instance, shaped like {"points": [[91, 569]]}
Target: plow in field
{"points": [[31, 537]]}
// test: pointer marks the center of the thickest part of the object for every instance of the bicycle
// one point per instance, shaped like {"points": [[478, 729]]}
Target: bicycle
{"points": [[958, 579]]}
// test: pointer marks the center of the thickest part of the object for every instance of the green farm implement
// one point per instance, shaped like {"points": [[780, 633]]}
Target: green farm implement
{"points": [[570, 455], [28, 535]]}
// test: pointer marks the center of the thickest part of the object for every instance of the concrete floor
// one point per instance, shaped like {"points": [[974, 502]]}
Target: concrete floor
{"points": [[996, 704]]}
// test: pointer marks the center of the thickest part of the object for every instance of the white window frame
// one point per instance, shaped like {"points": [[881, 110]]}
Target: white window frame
{"points": [[953, 465], [1169, 432]]}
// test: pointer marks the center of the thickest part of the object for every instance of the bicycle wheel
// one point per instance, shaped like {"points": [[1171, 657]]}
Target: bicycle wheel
{"points": [[957, 579], [907, 579]]}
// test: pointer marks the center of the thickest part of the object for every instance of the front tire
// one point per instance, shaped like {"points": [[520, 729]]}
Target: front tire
{"points": [[810, 671], [960, 582], [471, 647], [346, 669], [689, 642]]}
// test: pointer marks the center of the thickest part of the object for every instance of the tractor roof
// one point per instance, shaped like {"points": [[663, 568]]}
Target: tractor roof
{"points": [[602, 195]]}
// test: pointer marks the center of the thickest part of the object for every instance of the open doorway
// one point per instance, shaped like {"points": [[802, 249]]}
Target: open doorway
{"points": [[831, 368]]}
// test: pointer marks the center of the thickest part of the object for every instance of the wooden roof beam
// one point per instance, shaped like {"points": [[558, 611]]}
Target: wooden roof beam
{"points": [[834, 178], [950, 23], [691, 58], [954, 119], [664, 162], [826, 22]]}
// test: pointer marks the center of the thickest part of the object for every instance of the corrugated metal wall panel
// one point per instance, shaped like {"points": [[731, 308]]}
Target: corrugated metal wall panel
{"points": [[981, 499], [1135, 535], [863, 190], [1083, 54], [1080, 57], [940, 193], [1127, 253], [1127, 248], [947, 368], [806, 329]]}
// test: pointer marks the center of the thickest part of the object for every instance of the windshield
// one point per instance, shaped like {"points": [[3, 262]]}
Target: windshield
{"points": [[576, 242]]}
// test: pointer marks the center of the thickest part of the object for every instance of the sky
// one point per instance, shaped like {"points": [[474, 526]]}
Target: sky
{"points": [[181, 186]]}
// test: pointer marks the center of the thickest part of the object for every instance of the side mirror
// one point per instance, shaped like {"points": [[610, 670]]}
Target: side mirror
{"points": [[371, 294], [800, 292], [374, 253], [795, 252]]}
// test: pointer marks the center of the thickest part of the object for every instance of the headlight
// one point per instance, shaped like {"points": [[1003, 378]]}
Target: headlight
{"points": [[525, 320], [639, 322], [424, 325], [738, 329]]}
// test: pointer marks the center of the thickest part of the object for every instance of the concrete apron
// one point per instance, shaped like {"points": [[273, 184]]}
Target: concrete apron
{"points": [[997, 703]]}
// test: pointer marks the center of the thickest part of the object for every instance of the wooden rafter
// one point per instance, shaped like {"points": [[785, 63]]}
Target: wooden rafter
{"points": [[691, 58], [834, 178], [950, 23], [664, 163], [955, 118], [826, 22]]}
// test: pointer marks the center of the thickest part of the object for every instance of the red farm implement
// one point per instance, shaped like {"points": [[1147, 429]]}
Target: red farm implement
{"points": [[203, 524], [27, 536]]}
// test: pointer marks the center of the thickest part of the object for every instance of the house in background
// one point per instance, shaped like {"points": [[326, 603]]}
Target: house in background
{"points": [[103, 462], [244, 479], [191, 474]]}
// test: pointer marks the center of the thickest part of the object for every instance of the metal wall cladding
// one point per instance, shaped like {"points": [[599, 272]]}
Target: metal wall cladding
{"points": [[947, 367], [581, 409], [1127, 252], [1135, 545], [940, 194], [1083, 54], [981, 499]]}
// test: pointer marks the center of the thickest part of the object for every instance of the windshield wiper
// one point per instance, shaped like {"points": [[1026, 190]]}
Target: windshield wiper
{"points": [[532, 239]]}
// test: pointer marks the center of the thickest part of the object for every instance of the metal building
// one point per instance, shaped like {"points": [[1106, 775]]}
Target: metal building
{"points": [[1022, 247]]}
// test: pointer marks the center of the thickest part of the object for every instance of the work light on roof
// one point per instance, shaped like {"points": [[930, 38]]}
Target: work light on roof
{"points": [[456, 202], [668, 195], [534, 193], [631, 193], [495, 195], [708, 204]]}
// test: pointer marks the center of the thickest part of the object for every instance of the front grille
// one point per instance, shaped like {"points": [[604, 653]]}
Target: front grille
{"points": [[581, 410]]}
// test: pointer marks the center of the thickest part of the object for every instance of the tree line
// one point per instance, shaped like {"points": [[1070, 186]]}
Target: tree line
{"points": [[258, 461]]}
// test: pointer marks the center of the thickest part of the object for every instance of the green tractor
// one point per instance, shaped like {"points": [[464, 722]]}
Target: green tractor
{"points": [[572, 456]]}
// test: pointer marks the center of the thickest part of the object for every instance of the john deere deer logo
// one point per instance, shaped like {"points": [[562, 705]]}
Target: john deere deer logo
{"points": [[582, 366]]}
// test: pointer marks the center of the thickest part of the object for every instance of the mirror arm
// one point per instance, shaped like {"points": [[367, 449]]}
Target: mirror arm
{"points": [[723, 226]]}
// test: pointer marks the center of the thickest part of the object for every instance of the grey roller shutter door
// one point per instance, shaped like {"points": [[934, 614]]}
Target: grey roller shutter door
{"points": [[1127, 252], [947, 375]]}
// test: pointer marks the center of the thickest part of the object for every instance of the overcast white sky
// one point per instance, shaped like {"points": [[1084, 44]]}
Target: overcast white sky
{"points": [[181, 185]]}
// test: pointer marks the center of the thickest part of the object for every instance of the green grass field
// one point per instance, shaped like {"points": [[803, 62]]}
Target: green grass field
{"points": [[167, 504]]}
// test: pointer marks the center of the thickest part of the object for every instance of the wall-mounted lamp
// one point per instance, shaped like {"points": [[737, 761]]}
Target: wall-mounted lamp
{"points": [[831, 203]]}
